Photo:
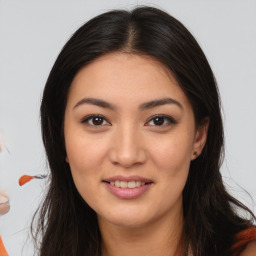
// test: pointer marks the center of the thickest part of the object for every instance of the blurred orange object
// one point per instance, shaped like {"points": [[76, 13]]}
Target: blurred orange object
{"points": [[3, 251], [24, 179]]}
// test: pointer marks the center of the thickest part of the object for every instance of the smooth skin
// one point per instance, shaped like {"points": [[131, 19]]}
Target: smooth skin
{"points": [[250, 250], [131, 138]]}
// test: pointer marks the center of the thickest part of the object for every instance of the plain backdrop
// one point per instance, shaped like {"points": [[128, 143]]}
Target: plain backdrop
{"points": [[32, 33]]}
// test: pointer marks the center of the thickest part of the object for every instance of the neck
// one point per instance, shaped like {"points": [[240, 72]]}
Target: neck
{"points": [[159, 238]]}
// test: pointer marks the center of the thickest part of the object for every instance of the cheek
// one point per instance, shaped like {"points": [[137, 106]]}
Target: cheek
{"points": [[83, 154], [85, 159], [172, 160], [172, 154]]}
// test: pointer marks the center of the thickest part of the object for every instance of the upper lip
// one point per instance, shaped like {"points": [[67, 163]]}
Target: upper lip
{"points": [[128, 178]]}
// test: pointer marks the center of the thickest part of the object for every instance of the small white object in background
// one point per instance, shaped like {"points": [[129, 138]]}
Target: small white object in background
{"points": [[4, 200], [4, 204]]}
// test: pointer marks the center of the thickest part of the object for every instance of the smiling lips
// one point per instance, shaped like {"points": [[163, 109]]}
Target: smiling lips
{"points": [[128, 188]]}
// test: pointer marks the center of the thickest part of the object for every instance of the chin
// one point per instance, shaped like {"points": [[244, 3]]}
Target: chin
{"points": [[131, 219], [128, 222]]}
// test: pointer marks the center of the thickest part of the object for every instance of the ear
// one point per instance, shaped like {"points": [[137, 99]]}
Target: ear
{"points": [[200, 138], [67, 159]]}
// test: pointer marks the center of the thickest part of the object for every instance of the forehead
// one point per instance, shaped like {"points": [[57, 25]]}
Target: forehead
{"points": [[123, 66], [119, 76]]}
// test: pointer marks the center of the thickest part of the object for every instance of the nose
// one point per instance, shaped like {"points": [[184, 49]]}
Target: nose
{"points": [[127, 147]]}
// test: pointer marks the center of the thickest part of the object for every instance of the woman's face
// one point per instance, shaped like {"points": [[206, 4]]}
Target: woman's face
{"points": [[130, 136]]}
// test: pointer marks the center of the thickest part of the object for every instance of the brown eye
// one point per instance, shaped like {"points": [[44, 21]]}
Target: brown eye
{"points": [[158, 120], [95, 120], [161, 120]]}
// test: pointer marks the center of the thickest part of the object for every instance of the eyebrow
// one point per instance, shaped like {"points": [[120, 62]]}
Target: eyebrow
{"points": [[143, 106]]}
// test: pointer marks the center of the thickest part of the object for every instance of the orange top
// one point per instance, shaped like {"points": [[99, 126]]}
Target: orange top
{"points": [[242, 239], [3, 251]]}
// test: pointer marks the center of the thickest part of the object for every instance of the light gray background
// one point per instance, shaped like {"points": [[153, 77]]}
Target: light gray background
{"points": [[31, 35]]}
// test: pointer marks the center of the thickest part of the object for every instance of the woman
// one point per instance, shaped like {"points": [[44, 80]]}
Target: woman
{"points": [[133, 133]]}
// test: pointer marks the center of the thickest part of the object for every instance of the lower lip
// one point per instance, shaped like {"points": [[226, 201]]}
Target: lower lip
{"points": [[128, 193]]}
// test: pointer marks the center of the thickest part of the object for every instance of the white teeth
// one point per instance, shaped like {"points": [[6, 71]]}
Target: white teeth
{"points": [[131, 184], [138, 183], [125, 184]]}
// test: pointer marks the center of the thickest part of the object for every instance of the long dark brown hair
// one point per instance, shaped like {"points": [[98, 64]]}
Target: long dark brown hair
{"points": [[66, 225]]}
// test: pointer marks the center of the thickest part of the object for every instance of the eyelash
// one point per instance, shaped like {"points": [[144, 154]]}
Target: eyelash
{"points": [[168, 119]]}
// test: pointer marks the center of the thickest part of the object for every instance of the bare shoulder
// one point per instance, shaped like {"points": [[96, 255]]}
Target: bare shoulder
{"points": [[250, 250]]}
